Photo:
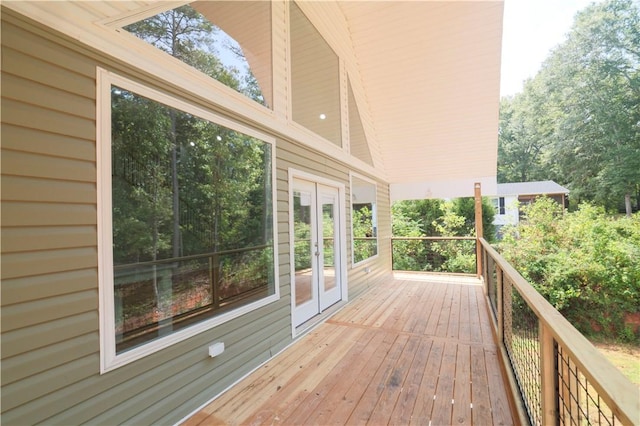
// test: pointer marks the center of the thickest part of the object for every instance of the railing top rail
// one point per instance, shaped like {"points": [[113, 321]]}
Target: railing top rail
{"points": [[604, 376], [191, 257], [434, 238]]}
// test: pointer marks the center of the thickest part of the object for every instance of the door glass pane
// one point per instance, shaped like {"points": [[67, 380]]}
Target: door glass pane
{"points": [[329, 241], [302, 245]]}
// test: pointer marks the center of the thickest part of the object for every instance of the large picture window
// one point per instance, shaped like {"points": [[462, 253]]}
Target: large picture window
{"points": [[364, 220], [189, 226], [230, 41]]}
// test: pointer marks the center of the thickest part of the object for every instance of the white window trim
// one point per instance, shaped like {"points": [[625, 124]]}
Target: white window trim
{"points": [[375, 215], [109, 360]]}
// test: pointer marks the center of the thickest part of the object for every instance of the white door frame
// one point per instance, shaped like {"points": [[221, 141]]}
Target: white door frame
{"points": [[341, 274]]}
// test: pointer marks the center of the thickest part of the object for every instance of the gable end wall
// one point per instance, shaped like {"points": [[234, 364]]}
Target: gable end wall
{"points": [[50, 320]]}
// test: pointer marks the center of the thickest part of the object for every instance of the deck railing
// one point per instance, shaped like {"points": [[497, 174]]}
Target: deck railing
{"points": [[561, 378], [434, 254]]}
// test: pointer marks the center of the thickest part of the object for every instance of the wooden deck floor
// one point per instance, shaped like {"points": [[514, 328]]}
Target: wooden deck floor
{"points": [[415, 350]]}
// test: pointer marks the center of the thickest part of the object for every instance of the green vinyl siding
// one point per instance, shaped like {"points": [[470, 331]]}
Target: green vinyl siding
{"points": [[50, 319], [49, 284]]}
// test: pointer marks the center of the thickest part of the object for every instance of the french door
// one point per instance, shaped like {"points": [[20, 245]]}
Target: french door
{"points": [[317, 243]]}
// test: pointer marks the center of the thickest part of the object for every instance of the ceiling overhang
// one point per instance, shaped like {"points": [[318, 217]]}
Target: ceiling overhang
{"points": [[430, 73]]}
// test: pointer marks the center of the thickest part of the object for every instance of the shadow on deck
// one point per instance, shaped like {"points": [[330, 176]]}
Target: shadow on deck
{"points": [[417, 349]]}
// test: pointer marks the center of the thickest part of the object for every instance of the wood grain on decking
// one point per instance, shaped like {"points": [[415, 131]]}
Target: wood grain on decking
{"points": [[415, 350]]}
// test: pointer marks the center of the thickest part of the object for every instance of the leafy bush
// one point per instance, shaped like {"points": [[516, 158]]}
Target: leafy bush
{"points": [[585, 263], [433, 218], [407, 254]]}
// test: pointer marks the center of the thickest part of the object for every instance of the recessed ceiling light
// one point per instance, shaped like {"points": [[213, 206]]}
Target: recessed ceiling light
{"points": [[322, 116]]}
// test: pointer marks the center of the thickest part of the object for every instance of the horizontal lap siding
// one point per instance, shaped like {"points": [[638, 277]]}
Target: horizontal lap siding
{"points": [[50, 319], [50, 334]]}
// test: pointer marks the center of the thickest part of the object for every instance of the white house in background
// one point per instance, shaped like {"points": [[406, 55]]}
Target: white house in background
{"points": [[513, 195]]}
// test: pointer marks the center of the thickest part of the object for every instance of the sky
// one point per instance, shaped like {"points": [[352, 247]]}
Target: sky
{"points": [[531, 29]]}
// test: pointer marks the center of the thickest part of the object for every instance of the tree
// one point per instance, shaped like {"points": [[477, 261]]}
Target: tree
{"points": [[185, 186], [597, 82], [466, 208], [576, 121], [141, 193], [524, 135], [177, 32], [584, 263], [406, 223], [448, 218], [422, 212]]}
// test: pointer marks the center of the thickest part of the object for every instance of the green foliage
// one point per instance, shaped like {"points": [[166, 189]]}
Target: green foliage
{"points": [[466, 208], [449, 218], [418, 215], [576, 121], [458, 256], [451, 223], [415, 218], [523, 136], [185, 186], [222, 190], [190, 37], [406, 222], [364, 243], [585, 263]]}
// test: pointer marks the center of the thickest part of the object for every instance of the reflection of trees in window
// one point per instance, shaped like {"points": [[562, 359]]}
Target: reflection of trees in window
{"points": [[364, 241], [191, 218], [364, 221], [302, 230], [188, 34]]}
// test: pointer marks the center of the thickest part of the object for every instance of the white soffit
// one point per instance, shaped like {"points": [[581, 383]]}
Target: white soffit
{"points": [[431, 73]]}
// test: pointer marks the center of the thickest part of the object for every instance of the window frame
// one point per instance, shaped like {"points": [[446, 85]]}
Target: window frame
{"points": [[109, 359], [120, 24], [374, 219]]}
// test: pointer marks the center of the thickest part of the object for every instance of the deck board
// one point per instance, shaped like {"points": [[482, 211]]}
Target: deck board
{"points": [[462, 387], [403, 410], [338, 393], [481, 411], [414, 350], [354, 393]]}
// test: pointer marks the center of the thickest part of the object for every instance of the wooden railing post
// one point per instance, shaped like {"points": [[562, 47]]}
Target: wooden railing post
{"points": [[500, 303], [548, 376], [479, 234]]}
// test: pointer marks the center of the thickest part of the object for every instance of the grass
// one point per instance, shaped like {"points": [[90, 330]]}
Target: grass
{"points": [[625, 357]]}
